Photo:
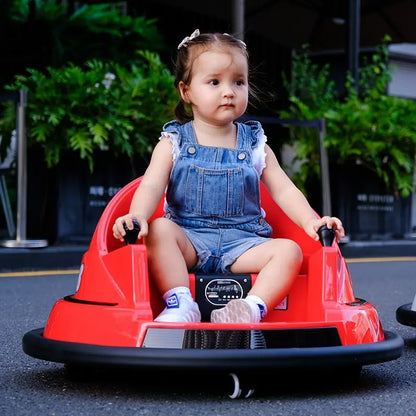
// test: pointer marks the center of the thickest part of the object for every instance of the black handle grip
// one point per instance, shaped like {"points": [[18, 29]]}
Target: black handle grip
{"points": [[326, 235], [131, 235]]}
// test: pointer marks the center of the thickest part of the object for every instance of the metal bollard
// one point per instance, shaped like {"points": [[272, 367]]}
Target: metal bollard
{"points": [[21, 241]]}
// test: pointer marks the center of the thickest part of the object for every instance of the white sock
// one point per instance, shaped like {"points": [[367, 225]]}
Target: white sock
{"points": [[259, 302], [175, 293]]}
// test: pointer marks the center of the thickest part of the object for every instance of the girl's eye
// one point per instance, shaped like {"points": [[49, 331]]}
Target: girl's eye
{"points": [[239, 83], [214, 82]]}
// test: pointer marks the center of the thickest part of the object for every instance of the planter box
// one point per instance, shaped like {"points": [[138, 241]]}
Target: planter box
{"points": [[65, 203], [82, 195], [367, 209]]}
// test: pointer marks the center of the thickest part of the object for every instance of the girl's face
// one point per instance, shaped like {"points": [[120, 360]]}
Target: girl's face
{"points": [[218, 92]]}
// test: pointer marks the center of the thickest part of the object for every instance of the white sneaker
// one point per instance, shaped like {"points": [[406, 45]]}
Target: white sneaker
{"points": [[237, 311], [180, 309]]}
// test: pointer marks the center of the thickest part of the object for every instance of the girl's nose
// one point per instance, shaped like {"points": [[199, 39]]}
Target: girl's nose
{"points": [[228, 91]]}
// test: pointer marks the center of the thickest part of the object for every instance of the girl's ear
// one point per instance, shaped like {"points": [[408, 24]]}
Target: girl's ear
{"points": [[183, 90]]}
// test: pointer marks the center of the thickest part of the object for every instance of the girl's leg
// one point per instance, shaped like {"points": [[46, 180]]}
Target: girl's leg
{"points": [[170, 255], [277, 263]]}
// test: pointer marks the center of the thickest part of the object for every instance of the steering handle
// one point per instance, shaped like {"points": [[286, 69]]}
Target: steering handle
{"points": [[131, 235], [326, 235]]}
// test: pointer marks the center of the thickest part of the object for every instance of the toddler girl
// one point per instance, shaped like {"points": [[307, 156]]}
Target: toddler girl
{"points": [[210, 167]]}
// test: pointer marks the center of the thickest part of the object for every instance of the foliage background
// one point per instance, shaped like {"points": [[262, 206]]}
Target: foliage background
{"points": [[111, 92], [365, 126]]}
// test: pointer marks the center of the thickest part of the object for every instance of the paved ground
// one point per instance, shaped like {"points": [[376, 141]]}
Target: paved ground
{"points": [[33, 387]]}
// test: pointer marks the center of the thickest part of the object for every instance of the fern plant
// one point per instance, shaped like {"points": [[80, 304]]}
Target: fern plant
{"points": [[99, 105]]}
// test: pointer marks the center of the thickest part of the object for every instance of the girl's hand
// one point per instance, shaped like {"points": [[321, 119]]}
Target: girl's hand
{"points": [[312, 226], [118, 229]]}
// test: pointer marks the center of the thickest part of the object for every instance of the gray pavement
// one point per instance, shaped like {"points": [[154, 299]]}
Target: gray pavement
{"points": [[34, 387]]}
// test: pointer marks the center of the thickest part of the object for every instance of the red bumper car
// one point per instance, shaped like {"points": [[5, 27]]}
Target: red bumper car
{"points": [[108, 321]]}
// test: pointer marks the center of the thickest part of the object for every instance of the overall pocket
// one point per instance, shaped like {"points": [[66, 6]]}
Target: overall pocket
{"points": [[215, 193]]}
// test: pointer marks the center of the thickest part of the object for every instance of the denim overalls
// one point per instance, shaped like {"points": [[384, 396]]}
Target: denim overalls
{"points": [[214, 195]]}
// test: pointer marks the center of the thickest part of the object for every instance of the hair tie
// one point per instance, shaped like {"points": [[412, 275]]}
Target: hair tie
{"points": [[238, 40], [186, 39]]}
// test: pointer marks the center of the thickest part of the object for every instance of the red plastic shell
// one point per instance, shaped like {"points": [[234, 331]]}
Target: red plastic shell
{"points": [[116, 302]]}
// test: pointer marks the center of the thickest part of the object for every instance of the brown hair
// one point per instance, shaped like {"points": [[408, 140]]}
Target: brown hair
{"points": [[188, 52]]}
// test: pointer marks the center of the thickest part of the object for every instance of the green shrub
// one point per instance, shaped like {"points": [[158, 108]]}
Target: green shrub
{"points": [[366, 127], [100, 105]]}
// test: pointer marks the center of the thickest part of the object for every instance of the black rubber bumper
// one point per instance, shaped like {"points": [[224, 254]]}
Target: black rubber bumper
{"points": [[405, 315], [37, 346]]}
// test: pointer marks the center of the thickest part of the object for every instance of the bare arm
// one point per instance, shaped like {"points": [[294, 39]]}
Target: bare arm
{"points": [[148, 194], [292, 201]]}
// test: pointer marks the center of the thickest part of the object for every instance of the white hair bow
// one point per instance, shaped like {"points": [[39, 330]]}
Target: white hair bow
{"points": [[186, 39]]}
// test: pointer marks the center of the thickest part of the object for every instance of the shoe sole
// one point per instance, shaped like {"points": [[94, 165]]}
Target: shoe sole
{"points": [[236, 311]]}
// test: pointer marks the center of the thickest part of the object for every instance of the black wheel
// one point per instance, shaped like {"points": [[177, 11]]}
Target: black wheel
{"points": [[405, 315]]}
